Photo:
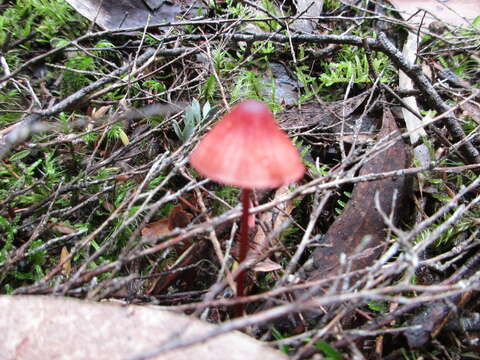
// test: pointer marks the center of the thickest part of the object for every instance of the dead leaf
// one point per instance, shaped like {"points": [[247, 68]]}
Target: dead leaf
{"points": [[67, 265], [98, 113], [178, 218], [156, 228], [41, 327], [261, 242], [107, 205], [64, 229], [123, 177], [267, 265], [286, 87], [321, 115], [434, 316], [274, 218], [188, 252], [360, 218], [113, 14], [449, 11], [307, 8]]}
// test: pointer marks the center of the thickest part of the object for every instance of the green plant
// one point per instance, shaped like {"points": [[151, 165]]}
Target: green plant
{"points": [[116, 132], [102, 48], [271, 25], [277, 335], [75, 80], [155, 182], [8, 229], [330, 352], [9, 100], [315, 168], [237, 10], [465, 225], [410, 355], [289, 237], [248, 85], [155, 86], [263, 48], [461, 64], [209, 88], [222, 60], [48, 18], [229, 194], [352, 65], [378, 306], [331, 5], [52, 174], [310, 85], [193, 118], [32, 267], [342, 202]]}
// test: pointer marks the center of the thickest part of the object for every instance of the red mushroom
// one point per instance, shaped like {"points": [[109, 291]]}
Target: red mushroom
{"points": [[247, 149]]}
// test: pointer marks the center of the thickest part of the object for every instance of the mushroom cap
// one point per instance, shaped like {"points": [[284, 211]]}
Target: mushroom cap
{"points": [[246, 148]]}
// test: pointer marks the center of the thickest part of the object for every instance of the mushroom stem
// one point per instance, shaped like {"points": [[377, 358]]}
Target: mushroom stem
{"points": [[245, 197]]}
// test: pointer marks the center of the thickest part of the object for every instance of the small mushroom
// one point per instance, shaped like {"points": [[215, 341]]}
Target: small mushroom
{"points": [[246, 148]]}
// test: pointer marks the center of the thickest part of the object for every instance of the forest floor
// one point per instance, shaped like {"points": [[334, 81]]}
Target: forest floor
{"points": [[374, 253]]}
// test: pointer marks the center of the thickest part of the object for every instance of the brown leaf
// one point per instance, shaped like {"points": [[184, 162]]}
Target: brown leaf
{"points": [[267, 265], [157, 228], [178, 218], [360, 218], [191, 254], [40, 327], [64, 229], [261, 241], [324, 115], [98, 113], [67, 265], [188, 252]]}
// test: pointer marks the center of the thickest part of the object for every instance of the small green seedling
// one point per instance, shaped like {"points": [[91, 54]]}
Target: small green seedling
{"points": [[194, 117]]}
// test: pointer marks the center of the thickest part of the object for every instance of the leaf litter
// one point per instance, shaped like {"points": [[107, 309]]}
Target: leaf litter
{"points": [[123, 221]]}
